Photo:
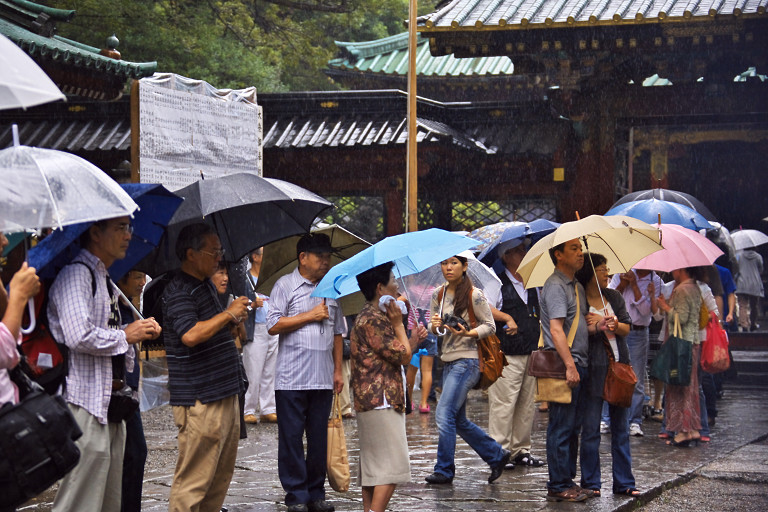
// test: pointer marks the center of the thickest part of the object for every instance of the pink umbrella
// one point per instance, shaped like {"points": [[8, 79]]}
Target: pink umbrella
{"points": [[682, 248]]}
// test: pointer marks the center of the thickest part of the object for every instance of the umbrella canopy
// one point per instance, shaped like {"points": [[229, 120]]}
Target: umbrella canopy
{"points": [[49, 188], [622, 240], [156, 206], [246, 210], [420, 286], [682, 248], [280, 257], [650, 210], [746, 238], [673, 196], [411, 252], [494, 235], [22, 83]]}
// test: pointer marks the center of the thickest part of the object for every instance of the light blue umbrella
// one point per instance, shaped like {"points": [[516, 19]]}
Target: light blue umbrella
{"points": [[411, 253], [648, 210]]}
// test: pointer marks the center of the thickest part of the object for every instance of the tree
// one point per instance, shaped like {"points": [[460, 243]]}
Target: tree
{"points": [[276, 45]]}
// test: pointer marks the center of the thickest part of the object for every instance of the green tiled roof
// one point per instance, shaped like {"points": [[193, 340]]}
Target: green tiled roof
{"points": [[19, 22], [390, 56]]}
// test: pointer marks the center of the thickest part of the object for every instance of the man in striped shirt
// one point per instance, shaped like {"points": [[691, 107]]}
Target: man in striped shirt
{"points": [[83, 314], [308, 371], [204, 375]]}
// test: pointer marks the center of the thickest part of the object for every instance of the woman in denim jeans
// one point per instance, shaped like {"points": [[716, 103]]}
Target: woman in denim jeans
{"points": [[461, 371]]}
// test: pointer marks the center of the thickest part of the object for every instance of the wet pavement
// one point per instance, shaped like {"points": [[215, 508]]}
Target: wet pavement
{"points": [[741, 425]]}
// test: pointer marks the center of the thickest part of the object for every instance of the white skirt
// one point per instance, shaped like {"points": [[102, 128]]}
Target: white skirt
{"points": [[383, 448]]}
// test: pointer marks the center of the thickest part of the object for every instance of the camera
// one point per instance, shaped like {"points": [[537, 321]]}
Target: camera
{"points": [[453, 321]]}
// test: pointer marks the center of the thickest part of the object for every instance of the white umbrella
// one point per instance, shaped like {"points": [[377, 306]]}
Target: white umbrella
{"points": [[49, 188], [421, 285], [746, 238], [22, 83]]}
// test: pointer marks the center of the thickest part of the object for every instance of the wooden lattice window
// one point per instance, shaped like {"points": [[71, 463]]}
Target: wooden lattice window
{"points": [[468, 216], [362, 215]]}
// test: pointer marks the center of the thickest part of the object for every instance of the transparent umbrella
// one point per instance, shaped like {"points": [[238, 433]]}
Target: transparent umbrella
{"points": [[22, 83]]}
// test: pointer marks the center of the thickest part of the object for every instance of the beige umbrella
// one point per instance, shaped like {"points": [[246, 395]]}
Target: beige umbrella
{"points": [[280, 259], [622, 240]]}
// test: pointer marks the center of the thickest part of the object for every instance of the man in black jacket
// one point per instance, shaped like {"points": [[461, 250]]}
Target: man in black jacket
{"points": [[517, 325]]}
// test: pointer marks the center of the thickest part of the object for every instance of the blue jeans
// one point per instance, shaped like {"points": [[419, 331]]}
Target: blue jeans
{"points": [[563, 438], [637, 342], [590, 445], [303, 478], [458, 378]]}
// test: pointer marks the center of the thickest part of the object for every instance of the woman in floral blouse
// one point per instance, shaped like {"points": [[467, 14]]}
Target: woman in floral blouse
{"points": [[379, 348]]}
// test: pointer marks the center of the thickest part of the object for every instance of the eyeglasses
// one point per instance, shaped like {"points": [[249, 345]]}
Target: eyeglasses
{"points": [[603, 269], [125, 228], [218, 253]]}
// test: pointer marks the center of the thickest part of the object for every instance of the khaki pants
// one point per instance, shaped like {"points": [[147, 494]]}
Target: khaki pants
{"points": [[510, 401], [208, 436], [95, 484], [344, 397]]}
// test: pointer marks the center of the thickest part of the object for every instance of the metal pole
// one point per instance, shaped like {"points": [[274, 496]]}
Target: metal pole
{"points": [[411, 194]]}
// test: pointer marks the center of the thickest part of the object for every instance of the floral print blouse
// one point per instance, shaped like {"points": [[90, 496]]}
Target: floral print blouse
{"points": [[376, 356]]}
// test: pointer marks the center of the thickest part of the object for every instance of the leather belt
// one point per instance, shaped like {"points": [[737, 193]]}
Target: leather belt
{"points": [[637, 327]]}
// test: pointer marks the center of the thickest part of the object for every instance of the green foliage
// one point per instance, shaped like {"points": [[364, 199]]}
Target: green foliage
{"points": [[276, 45]]}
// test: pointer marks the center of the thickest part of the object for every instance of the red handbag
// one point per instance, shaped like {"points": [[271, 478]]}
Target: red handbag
{"points": [[714, 350]]}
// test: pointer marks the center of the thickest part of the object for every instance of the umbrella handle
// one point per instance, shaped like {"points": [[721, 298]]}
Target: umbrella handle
{"points": [[32, 318]]}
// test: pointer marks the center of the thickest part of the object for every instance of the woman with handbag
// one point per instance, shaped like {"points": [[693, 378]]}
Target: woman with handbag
{"points": [[683, 413], [604, 347], [379, 347], [450, 319]]}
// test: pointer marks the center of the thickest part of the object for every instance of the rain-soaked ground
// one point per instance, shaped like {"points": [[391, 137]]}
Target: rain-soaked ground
{"points": [[743, 419]]}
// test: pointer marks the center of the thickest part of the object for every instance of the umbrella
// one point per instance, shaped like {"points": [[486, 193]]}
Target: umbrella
{"points": [[49, 188], [495, 234], [682, 248], [748, 238], [622, 240], [22, 83], [280, 257], [156, 206], [411, 252], [672, 196], [650, 210], [421, 285], [246, 210]]}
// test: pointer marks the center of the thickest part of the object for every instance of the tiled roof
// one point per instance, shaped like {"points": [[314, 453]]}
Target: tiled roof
{"points": [[72, 136], [516, 14], [389, 56]]}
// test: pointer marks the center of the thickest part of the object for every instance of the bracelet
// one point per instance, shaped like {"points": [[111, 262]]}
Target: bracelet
{"points": [[232, 315]]}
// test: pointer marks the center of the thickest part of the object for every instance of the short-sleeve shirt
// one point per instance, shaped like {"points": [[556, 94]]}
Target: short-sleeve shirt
{"points": [[304, 356], [209, 371], [558, 300]]}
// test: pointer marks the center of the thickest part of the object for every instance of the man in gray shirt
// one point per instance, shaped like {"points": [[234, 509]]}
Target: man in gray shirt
{"points": [[558, 303]]}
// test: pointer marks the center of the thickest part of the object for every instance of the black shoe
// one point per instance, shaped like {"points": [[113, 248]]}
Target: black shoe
{"points": [[438, 479], [298, 507], [509, 467], [498, 469], [321, 506], [526, 459]]}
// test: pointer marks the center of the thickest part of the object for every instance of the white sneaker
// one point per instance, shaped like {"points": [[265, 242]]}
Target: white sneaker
{"points": [[635, 430], [604, 427]]}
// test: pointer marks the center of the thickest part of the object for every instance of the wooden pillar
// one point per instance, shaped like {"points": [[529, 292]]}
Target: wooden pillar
{"points": [[659, 159]]}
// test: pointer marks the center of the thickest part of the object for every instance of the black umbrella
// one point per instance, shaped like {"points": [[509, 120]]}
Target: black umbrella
{"points": [[673, 196], [246, 211]]}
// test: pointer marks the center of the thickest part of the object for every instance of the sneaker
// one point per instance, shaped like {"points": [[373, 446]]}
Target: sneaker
{"points": [[635, 430], [604, 427]]}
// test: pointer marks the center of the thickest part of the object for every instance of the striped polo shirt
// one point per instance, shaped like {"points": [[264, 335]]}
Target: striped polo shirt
{"points": [[209, 371]]}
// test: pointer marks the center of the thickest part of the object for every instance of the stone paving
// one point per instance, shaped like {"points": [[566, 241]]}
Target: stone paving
{"points": [[255, 487]]}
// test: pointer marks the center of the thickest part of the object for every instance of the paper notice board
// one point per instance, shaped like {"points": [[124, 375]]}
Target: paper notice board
{"points": [[188, 129]]}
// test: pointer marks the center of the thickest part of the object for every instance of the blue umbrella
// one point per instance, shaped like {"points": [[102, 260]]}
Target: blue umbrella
{"points": [[648, 210], [156, 207], [411, 252], [496, 234]]}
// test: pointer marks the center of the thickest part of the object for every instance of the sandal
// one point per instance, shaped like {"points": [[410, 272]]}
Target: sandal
{"points": [[685, 443], [572, 494], [424, 410], [591, 493], [663, 435], [632, 492], [526, 459]]}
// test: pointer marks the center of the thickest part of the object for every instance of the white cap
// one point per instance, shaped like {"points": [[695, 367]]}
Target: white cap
{"points": [[511, 244]]}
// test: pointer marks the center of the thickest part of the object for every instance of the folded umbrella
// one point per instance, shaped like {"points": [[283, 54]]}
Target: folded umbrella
{"points": [[682, 248], [622, 240], [650, 210], [247, 212], [411, 253]]}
